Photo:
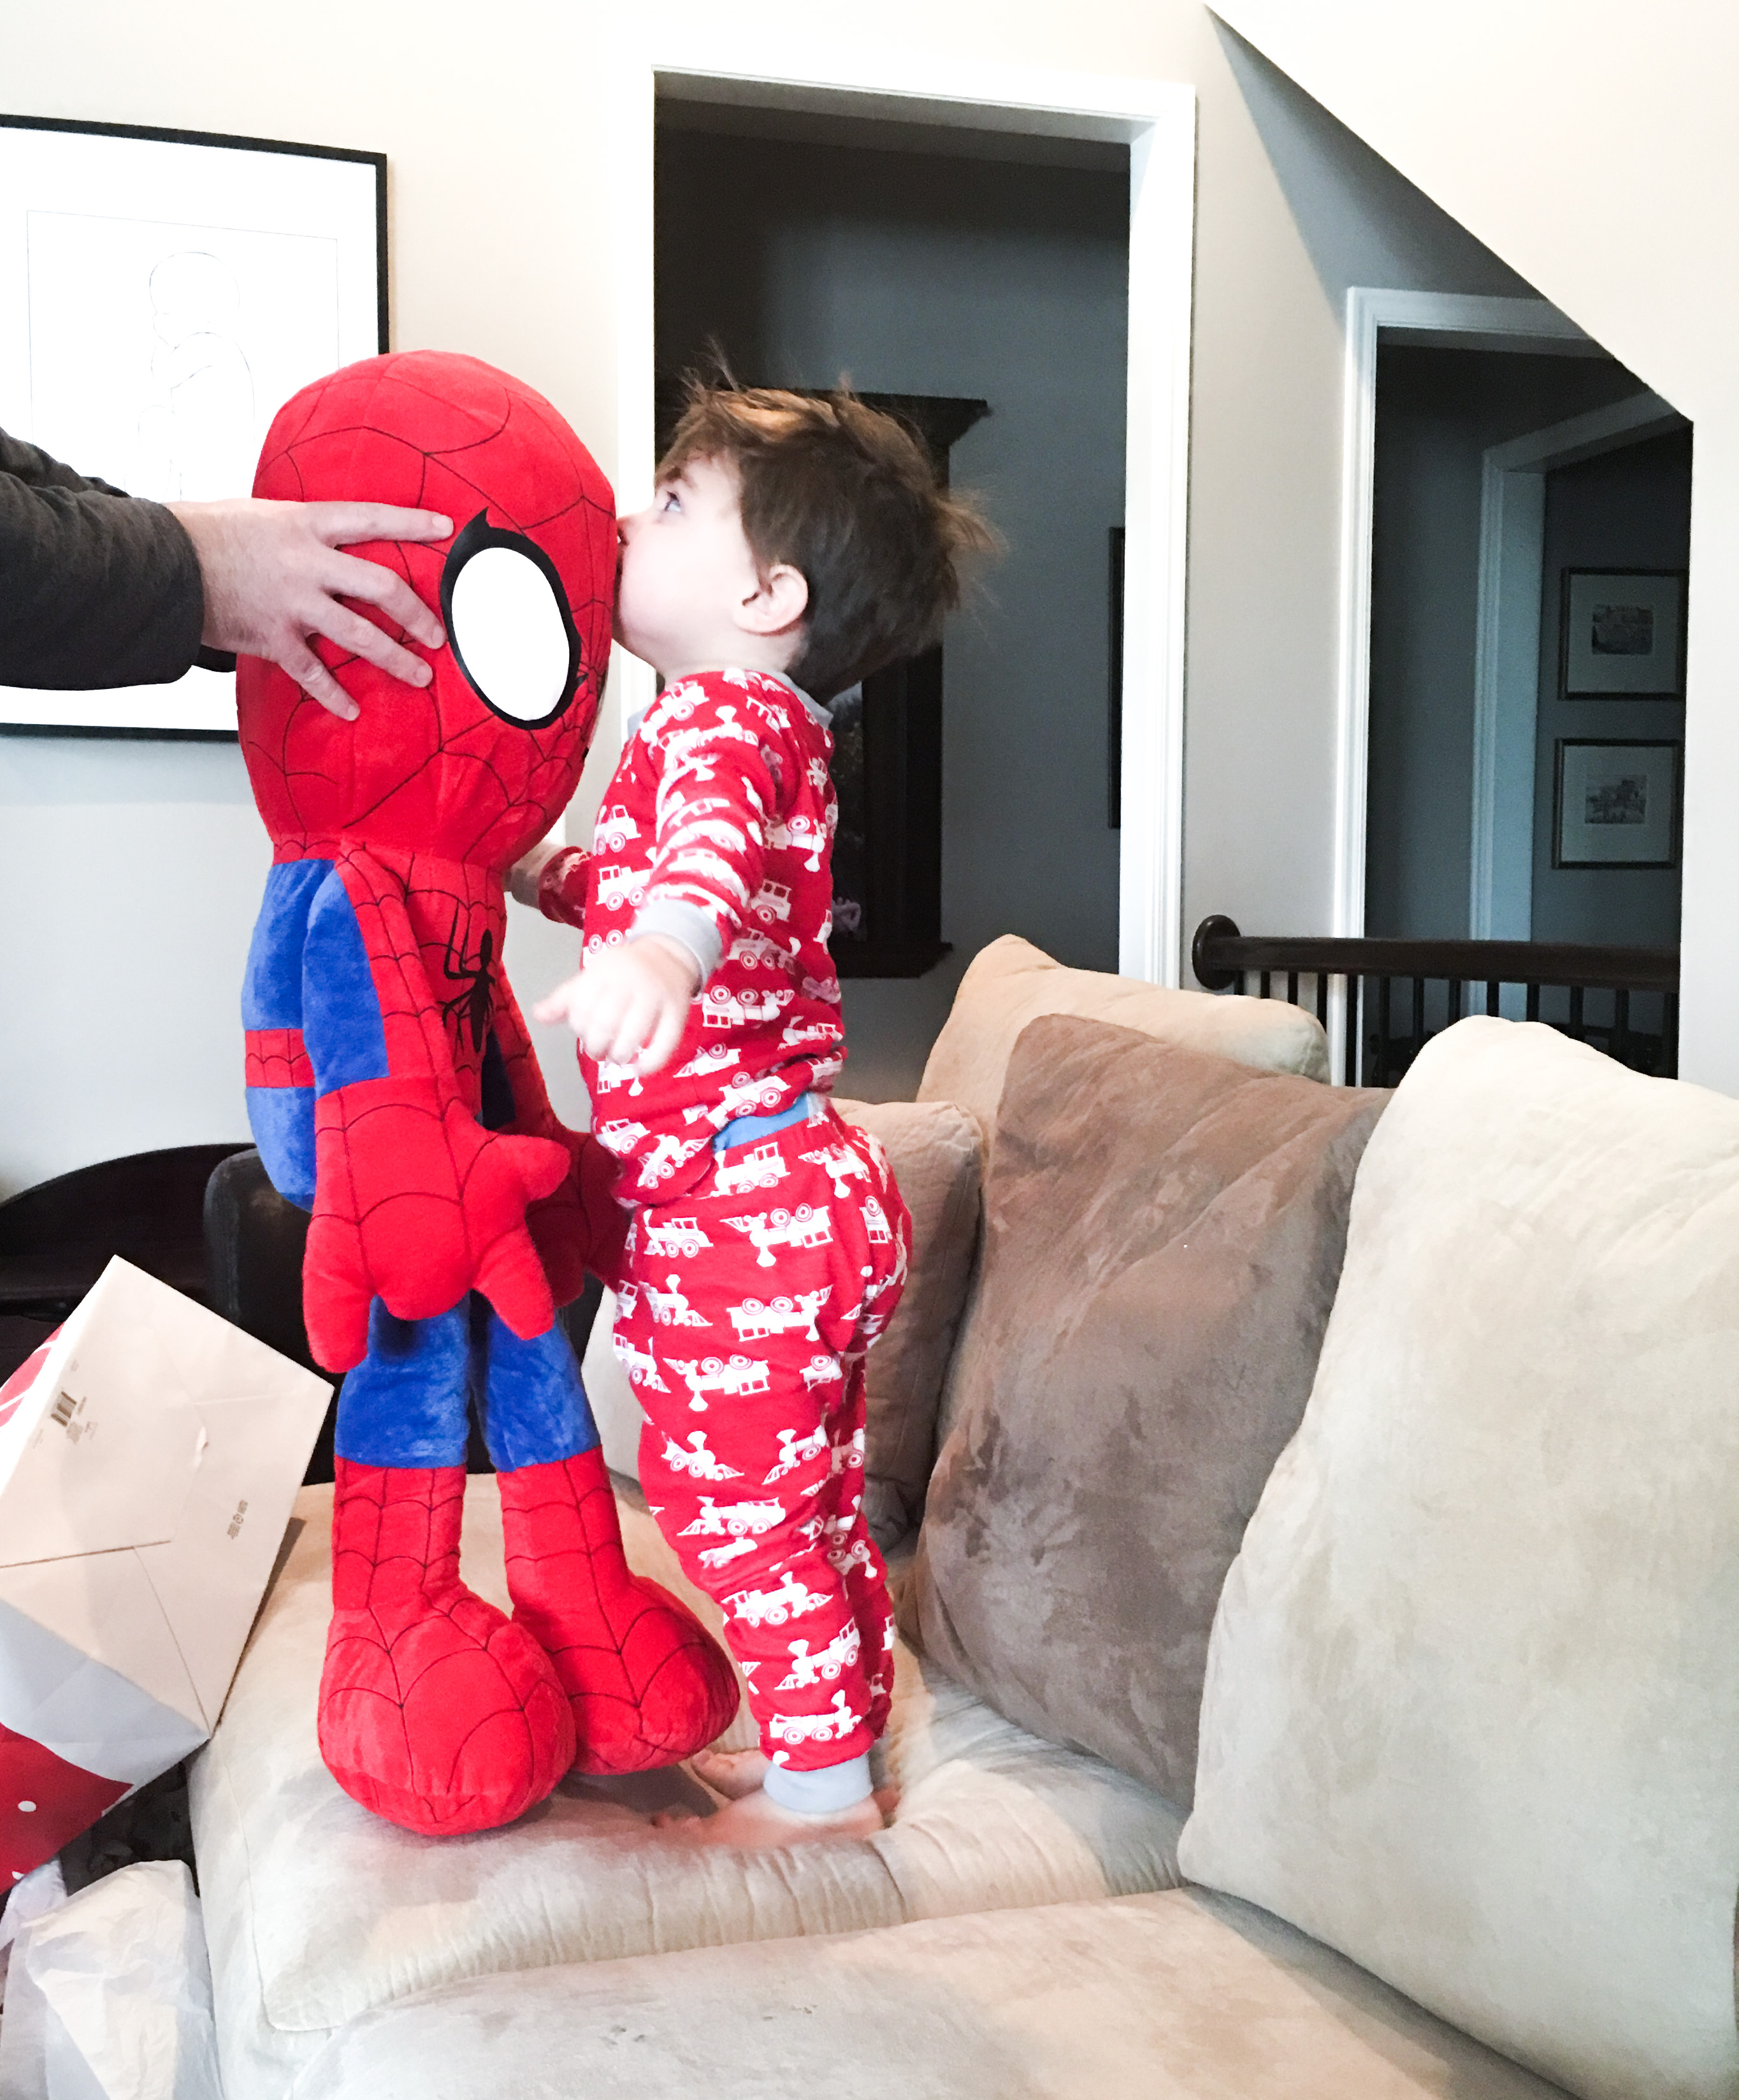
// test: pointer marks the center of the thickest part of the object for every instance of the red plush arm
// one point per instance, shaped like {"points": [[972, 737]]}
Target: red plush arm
{"points": [[414, 1203]]}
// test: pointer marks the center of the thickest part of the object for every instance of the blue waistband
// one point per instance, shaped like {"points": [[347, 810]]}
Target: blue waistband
{"points": [[744, 1130]]}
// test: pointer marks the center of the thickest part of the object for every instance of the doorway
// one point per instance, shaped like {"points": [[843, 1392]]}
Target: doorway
{"points": [[1513, 699], [941, 280], [970, 106]]}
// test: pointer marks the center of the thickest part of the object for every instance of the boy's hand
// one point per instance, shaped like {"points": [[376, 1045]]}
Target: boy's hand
{"points": [[523, 877], [630, 1004]]}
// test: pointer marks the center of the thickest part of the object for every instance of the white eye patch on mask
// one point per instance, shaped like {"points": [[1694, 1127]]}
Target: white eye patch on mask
{"points": [[508, 624]]}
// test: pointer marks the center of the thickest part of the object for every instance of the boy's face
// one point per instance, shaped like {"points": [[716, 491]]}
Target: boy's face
{"points": [[687, 572]]}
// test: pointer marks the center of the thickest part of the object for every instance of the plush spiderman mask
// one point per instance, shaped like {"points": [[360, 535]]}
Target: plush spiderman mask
{"points": [[394, 1092]]}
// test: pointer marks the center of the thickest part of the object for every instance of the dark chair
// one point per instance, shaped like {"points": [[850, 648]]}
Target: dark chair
{"points": [[55, 1239], [254, 1242]]}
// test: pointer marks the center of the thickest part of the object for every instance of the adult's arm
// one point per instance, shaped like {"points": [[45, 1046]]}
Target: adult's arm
{"points": [[98, 588], [93, 590]]}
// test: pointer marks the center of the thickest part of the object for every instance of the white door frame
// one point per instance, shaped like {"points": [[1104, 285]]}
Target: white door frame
{"points": [[1156, 119], [1506, 677], [1450, 319]]}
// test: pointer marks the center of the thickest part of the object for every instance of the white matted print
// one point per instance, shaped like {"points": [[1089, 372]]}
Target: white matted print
{"points": [[1623, 634], [1617, 803], [163, 295]]}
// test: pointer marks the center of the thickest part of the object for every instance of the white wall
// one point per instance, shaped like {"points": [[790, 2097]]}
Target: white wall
{"points": [[129, 874], [497, 130], [1565, 134]]}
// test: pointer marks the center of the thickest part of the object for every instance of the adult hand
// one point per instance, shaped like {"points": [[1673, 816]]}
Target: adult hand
{"points": [[273, 576]]}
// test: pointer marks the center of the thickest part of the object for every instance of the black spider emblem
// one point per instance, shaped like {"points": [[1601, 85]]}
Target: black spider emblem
{"points": [[472, 1007]]}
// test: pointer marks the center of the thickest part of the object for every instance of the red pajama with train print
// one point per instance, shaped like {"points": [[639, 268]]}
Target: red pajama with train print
{"points": [[754, 1278]]}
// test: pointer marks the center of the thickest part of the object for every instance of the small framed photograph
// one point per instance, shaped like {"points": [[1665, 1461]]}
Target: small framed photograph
{"points": [[1615, 804], [1623, 634]]}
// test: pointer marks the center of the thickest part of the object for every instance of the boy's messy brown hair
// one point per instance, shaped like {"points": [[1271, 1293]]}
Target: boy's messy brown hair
{"points": [[848, 496]]}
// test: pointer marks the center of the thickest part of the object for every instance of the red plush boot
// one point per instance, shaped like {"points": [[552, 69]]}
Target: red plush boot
{"points": [[649, 1687], [436, 1711]]}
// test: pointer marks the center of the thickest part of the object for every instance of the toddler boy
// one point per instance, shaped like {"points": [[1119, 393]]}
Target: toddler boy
{"points": [[794, 544]]}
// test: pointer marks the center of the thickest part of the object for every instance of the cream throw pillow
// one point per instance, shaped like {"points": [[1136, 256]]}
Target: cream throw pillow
{"points": [[1011, 982], [1472, 1712]]}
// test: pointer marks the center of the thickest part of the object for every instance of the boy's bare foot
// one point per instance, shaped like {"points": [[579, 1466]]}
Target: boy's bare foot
{"points": [[732, 1773], [752, 1823]]}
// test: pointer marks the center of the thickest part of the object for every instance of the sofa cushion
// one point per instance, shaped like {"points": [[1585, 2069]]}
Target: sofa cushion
{"points": [[317, 1911], [1181, 1996], [1163, 1234], [1011, 982], [934, 1149], [1473, 1705]]}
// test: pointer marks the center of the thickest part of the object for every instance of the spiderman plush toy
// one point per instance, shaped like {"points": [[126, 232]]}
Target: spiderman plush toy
{"points": [[394, 1092]]}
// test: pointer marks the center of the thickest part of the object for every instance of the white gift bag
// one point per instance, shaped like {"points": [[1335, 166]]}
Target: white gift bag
{"points": [[112, 1995], [149, 1455]]}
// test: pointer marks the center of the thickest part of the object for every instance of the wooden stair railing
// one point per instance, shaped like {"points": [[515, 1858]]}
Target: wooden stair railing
{"points": [[1633, 1013]]}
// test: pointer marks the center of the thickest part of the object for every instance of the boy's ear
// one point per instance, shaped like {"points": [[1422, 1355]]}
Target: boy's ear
{"points": [[778, 603]]}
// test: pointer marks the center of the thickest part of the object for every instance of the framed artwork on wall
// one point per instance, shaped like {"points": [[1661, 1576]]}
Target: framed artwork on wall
{"points": [[1623, 634], [1615, 804], [162, 294]]}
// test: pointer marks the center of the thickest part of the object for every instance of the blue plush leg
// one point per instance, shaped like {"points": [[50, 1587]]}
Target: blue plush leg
{"points": [[404, 1404], [528, 1395]]}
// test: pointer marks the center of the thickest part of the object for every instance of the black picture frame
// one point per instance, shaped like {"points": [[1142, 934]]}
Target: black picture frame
{"points": [[159, 135], [1578, 670], [1573, 776], [240, 141]]}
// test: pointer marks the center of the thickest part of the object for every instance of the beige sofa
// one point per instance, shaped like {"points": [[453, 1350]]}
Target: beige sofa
{"points": [[1469, 1727]]}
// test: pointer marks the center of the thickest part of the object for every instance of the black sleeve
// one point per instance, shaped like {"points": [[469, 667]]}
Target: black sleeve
{"points": [[96, 588]]}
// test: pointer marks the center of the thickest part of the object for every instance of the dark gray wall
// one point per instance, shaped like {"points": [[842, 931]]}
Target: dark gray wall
{"points": [[925, 273], [1629, 509], [1437, 412]]}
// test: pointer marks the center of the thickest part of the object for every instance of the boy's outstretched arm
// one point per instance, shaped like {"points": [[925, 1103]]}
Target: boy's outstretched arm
{"points": [[719, 791]]}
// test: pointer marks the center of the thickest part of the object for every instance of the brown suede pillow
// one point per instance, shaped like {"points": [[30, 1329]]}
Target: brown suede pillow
{"points": [[1164, 1233]]}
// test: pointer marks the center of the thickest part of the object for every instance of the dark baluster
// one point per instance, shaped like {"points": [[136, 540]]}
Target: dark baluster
{"points": [[1266, 976], [1454, 1000], [1577, 1029], [1621, 1045], [1292, 987], [1352, 1004], [1418, 1019], [1322, 997], [1670, 1036], [1492, 989], [1383, 993], [1533, 1002]]}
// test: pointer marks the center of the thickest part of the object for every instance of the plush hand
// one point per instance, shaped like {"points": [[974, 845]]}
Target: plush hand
{"points": [[417, 1204], [581, 1226], [629, 1004]]}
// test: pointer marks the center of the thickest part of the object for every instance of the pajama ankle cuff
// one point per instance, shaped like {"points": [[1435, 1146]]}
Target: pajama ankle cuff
{"points": [[822, 1793]]}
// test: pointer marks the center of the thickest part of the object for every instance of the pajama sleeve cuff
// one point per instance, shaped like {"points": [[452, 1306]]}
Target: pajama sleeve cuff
{"points": [[687, 925]]}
